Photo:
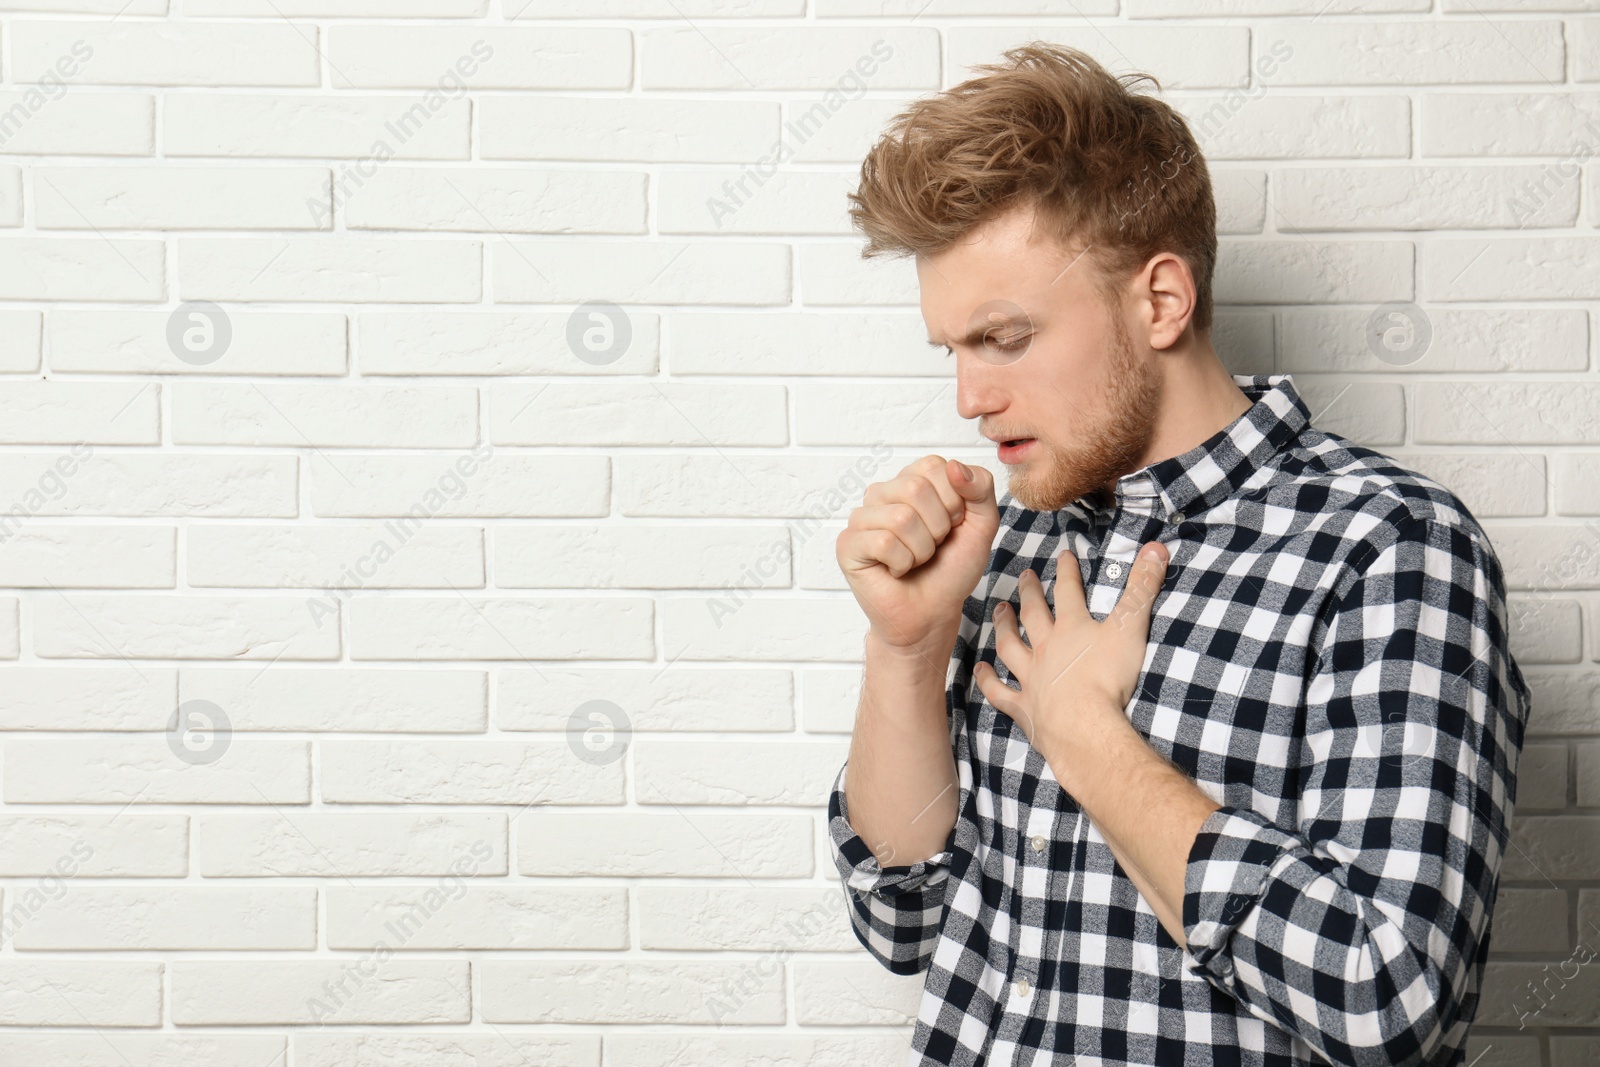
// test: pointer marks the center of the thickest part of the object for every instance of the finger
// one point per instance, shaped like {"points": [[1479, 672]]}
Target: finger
{"points": [[933, 498], [1008, 643], [903, 523], [975, 486], [1035, 610], [858, 548], [1071, 601], [1001, 695], [1144, 582]]}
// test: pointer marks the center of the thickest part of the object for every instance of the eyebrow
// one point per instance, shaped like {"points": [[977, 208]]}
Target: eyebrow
{"points": [[977, 333]]}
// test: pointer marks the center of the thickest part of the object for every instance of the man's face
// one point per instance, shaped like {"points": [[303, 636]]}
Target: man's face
{"points": [[1039, 356]]}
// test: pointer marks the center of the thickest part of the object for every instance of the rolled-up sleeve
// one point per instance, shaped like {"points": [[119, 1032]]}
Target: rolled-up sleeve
{"points": [[1362, 930], [895, 911]]}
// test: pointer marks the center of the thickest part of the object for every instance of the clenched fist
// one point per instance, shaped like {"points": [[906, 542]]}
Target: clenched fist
{"points": [[915, 549]]}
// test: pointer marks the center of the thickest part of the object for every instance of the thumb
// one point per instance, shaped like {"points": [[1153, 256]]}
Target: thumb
{"points": [[975, 484], [1144, 582]]}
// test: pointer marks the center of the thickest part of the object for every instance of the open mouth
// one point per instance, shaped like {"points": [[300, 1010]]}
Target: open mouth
{"points": [[1013, 450]]}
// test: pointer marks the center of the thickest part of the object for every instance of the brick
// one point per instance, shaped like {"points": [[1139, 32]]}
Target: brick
{"points": [[1522, 412], [64, 123], [365, 416], [451, 58], [1469, 340], [1313, 272], [853, 993], [174, 917], [1189, 57], [455, 772], [562, 271], [336, 9], [681, 699], [736, 772], [346, 991], [60, 413], [366, 699], [1423, 198], [1576, 489], [1259, 124], [664, 846], [471, 343], [82, 268], [20, 333], [909, 413], [87, 698], [665, 413], [106, 557], [180, 627], [120, 845], [791, 57], [760, 628], [368, 129], [502, 486], [1542, 777], [135, 342], [754, 201], [740, 918], [168, 53], [396, 556], [426, 1050], [640, 557], [463, 916], [584, 991], [1544, 630], [636, 128], [78, 481], [787, 343], [501, 628], [147, 771], [72, 993], [1554, 846], [497, 200], [178, 197], [221, 268], [813, 487], [347, 844], [144, 1050], [1440, 51], [1564, 702], [733, 1050]]}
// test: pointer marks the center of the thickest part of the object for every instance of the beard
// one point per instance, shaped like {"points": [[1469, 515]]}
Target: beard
{"points": [[1108, 441]]}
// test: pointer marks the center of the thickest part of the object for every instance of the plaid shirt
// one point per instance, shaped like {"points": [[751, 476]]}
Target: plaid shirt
{"points": [[1328, 661]]}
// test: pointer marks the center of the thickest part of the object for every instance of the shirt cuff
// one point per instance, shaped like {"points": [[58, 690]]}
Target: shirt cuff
{"points": [[1230, 864], [859, 867]]}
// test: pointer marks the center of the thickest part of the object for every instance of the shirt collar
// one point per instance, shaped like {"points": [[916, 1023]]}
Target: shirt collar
{"points": [[1214, 469]]}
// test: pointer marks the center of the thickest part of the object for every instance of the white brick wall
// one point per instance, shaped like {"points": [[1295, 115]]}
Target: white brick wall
{"points": [[422, 508]]}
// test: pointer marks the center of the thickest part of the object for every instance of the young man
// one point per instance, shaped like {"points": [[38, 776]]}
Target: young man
{"points": [[1239, 800]]}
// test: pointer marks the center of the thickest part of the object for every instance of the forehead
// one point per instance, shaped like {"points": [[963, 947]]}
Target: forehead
{"points": [[1001, 265]]}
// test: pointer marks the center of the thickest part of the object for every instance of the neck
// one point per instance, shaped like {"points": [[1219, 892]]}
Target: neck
{"points": [[1198, 397]]}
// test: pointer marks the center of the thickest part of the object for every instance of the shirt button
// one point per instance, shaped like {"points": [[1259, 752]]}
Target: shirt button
{"points": [[1177, 516], [1022, 988], [1037, 842], [1113, 570]]}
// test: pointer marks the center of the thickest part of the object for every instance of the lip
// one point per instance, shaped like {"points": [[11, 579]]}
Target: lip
{"points": [[1015, 453]]}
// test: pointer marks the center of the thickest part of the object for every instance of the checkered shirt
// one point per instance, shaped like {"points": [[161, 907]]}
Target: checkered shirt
{"points": [[1328, 661]]}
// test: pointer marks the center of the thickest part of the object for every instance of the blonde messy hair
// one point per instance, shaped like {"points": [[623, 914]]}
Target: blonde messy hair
{"points": [[1105, 166]]}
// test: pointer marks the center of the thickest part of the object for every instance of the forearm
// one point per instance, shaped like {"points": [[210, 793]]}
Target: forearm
{"points": [[1147, 810], [900, 785]]}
